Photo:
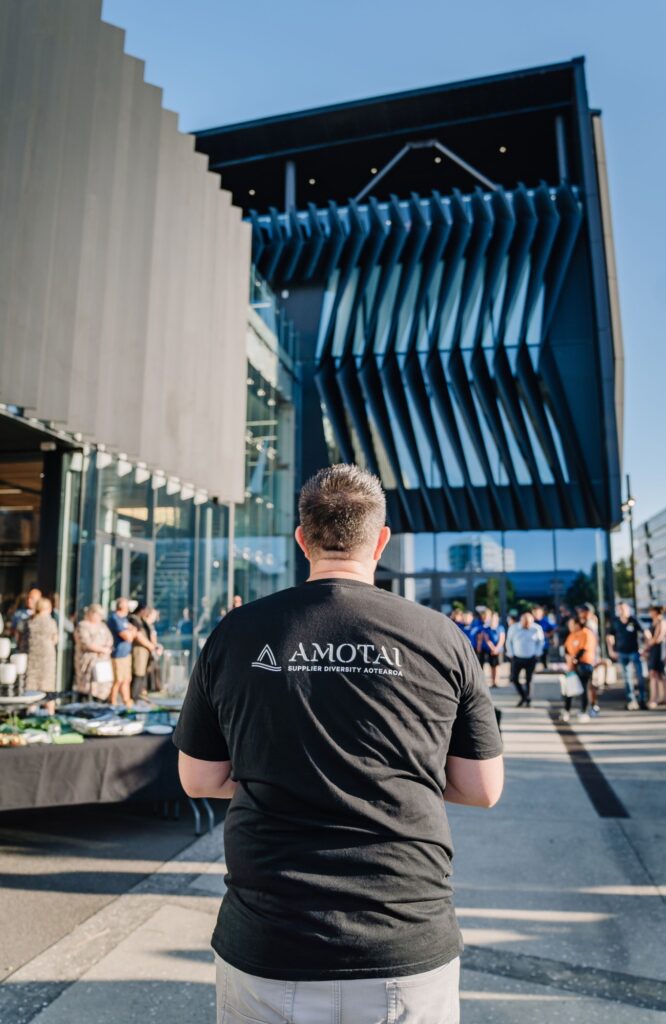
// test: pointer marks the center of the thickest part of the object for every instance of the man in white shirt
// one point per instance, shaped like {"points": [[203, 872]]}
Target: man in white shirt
{"points": [[524, 644]]}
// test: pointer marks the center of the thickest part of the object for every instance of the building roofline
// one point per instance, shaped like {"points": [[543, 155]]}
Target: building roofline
{"points": [[448, 87]]}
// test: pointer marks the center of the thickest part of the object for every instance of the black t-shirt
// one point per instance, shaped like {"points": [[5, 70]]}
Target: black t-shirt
{"points": [[337, 704], [627, 635]]}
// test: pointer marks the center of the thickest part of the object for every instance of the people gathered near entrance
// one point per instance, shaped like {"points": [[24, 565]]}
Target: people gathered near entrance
{"points": [[570, 643]]}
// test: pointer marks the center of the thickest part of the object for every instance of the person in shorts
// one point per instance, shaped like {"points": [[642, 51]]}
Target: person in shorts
{"points": [[123, 633], [340, 717]]}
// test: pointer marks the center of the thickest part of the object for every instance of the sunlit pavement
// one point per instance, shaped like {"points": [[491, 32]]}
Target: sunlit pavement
{"points": [[562, 901]]}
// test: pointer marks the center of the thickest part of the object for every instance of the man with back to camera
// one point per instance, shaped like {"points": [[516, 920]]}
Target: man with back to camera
{"points": [[340, 717]]}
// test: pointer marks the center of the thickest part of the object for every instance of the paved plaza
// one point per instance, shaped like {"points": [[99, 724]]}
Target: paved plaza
{"points": [[561, 893]]}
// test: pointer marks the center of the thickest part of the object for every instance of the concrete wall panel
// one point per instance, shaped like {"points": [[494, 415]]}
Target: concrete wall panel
{"points": [[124, 268]]}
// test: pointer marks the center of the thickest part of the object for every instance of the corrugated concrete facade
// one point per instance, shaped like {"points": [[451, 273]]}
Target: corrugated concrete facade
{"points": [[124, 268]]}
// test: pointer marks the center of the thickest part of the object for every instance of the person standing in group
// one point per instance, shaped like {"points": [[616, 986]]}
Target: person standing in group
{"points": [[144, 649], [123, 633], [22, 616], [624, 639], [524, 644], [41, 635], [93, 643], [655, 660], [580, 648], [587, 615], [489, 642], [547, 627], [341, 717]]}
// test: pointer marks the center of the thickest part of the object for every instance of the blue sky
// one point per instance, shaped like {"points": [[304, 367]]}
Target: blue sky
{"points": [[221, 62]]}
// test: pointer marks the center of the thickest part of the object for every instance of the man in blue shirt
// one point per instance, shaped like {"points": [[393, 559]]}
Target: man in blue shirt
{"points": [[123, 633], [489, 642]]}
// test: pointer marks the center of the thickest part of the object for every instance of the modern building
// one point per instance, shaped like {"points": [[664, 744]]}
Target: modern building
{"points": [[446, 255], [421, 283], [147, 390], [650, 561]]}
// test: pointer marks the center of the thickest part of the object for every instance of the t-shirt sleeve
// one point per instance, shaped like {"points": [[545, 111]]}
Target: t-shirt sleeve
{"points": [[198, 732], [475, 734]]}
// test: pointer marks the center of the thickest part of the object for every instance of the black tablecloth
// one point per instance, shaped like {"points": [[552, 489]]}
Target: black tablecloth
{"points": [[95, 771]]}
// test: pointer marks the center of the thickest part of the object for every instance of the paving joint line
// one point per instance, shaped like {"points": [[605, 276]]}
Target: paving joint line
{"points": [[591, 982]]}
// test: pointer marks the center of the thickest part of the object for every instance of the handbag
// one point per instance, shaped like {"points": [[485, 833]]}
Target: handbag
{"points": [[570, 685], [102, 672]]}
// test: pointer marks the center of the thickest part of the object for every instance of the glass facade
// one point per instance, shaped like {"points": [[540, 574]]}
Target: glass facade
{"points": [[502, 569], [264, 523], [119, 529]]}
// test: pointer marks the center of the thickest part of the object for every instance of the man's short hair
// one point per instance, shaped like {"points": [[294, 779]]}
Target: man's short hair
{"points": [[342, 510]]}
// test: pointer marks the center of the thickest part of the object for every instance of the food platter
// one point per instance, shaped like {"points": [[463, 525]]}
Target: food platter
{"points": [[107, 728], [22, 700]]}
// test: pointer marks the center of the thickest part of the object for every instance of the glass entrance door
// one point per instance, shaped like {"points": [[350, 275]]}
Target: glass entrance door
{"points": [[125, 568]]}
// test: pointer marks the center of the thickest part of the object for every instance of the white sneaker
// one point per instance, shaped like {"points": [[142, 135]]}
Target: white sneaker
{"points": [[632, 705], [564, 716], [583, 716]]}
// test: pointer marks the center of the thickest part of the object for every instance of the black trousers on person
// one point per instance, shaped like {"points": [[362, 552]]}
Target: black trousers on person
{"points": [[526, 665], [584, 673]]}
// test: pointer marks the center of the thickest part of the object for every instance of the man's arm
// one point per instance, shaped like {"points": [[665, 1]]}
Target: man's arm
{"points": [[210, 779], [474, 783]]}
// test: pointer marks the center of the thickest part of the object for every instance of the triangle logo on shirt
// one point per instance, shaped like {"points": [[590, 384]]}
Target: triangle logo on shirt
{"points": [[267, 660]]}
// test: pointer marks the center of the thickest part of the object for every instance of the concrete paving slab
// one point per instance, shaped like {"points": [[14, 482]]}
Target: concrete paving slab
{"points": [[560, 882], [163, 971], [489, 999]]}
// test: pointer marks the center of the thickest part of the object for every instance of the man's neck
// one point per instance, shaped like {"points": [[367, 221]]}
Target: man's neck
{"points": [[339, 569]]}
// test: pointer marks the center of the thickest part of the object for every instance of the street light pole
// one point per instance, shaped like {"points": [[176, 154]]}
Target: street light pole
{"points": [[628, 509]]}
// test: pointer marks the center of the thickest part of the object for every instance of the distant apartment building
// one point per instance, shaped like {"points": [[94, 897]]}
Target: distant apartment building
{"points": [[481, 554], [650, 555]]}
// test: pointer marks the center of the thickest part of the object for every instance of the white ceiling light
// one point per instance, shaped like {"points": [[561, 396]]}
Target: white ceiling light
{"points": [[142, 474], [173, 485], [103, 459], [159, 480], [187, 492]]}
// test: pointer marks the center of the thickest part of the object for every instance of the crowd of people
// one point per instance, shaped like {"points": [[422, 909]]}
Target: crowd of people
{"points": [[116, 656], [571, 639]]}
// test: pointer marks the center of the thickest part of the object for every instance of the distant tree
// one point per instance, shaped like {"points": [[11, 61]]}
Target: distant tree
{"points": [[581, 590], [622, 577], [488, 594]]}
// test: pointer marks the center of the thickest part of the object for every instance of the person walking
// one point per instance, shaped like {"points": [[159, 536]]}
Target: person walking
{"points": [[340, 717], [123, 633], [524, 644], [580, 650], [93, 644], [623, 640], [41, 634], [655, 660]]}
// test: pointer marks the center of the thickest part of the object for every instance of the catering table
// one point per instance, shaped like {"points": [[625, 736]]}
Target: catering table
{"points": [[99, 770]]}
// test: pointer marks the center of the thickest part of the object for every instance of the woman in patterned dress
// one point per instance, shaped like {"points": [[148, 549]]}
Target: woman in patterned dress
{"points": [[42, 637], [92, 643]]}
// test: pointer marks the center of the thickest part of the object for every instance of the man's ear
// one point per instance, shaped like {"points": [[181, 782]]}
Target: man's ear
{"points": [[300, 540], [384, 538]]}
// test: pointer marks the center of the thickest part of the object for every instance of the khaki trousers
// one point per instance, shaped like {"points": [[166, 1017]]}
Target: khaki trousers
{"points": [[428, 998]]}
